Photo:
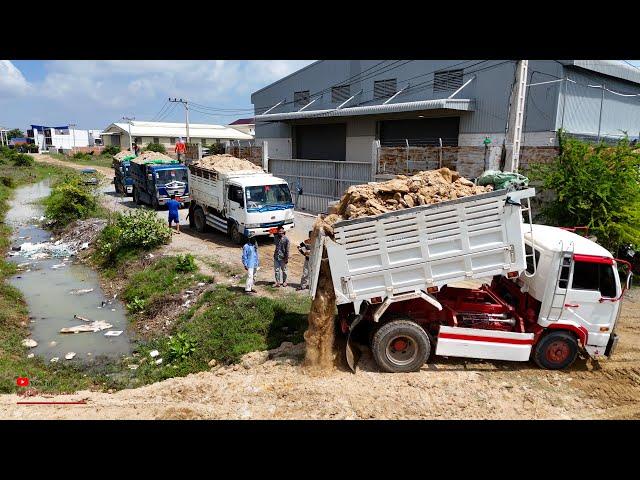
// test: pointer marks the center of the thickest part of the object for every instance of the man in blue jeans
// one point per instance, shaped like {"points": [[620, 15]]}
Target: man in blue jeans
{"points": [[174, 216]]}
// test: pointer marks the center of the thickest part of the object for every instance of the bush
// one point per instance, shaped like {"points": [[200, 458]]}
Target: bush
{"points": [[8, 182], [180, 347], [111, 150], [596, 186], [22, 160], [80, 156], [216, 149], [70, 200], [186, 263], [156, 147], [131, 232]]}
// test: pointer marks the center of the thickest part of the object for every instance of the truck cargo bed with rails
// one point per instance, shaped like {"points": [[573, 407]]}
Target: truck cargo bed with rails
{"points": [[548, 299]]}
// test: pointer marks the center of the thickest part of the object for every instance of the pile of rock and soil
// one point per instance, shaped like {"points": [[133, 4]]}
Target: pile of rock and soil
{"points": [[122, 155], [150, 156], [226, 163]]}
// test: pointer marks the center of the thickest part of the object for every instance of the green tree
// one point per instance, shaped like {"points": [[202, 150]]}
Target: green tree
{"points": [[15, 133], [596, 186], [156, 147]]}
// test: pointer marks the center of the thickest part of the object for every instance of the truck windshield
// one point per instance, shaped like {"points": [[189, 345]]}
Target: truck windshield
{"points": [[166, 176], [260, 196]]}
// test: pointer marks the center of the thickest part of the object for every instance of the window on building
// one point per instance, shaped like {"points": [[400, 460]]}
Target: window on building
{"points": [[300, 99], [447, 81], [594, 276], [340, 93], [156, 140], [172, 140], [384, 88], [138, 140]]}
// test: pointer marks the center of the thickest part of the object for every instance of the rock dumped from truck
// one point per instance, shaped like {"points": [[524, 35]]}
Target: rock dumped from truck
{"points": [[122, 155], [423, 188], [319, 335], [148, 157], [226, 163]]}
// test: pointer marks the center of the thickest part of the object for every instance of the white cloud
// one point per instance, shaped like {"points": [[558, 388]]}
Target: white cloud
{"points": [[12, 82]]}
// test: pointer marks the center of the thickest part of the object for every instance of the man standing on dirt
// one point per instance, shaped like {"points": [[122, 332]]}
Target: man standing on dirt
{"points": [[305, 249], [251, 262], [136, 149], [174, 214], [281, 257], [181, 148]]}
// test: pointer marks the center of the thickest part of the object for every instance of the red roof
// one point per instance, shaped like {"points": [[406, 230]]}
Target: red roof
{"points": [[244, 121]]}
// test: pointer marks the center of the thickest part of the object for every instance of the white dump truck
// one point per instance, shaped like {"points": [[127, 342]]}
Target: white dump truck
{"points": [[553, 293], [242, 203]]}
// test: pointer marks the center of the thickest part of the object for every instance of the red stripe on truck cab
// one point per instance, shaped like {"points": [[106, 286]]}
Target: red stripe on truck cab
{"points": [[592, 259]]}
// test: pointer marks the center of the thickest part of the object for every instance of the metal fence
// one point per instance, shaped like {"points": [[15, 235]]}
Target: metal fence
{"points": [[316, 183]]}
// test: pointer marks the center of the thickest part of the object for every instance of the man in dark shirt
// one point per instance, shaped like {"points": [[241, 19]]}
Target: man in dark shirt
{"points": [[174, 215], [281, 257]]}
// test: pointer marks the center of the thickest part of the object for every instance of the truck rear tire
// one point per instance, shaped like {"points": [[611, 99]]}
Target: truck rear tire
{"points": [[236, 236], [556, 350], [400, 346], [199, 220]]}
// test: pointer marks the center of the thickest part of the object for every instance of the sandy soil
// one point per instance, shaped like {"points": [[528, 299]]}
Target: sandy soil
{"points": [[444, 388]]}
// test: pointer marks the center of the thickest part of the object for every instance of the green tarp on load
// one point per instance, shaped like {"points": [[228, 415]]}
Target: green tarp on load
{"points": [[501, 180]]}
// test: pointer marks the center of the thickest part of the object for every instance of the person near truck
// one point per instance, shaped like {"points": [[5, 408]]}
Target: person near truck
{"points": [[251, 262], [174, 215], [281, 257], [181, 149], [305, 249], [136, 149]]}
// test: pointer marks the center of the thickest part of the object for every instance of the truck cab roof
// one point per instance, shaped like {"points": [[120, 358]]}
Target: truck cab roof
{"points": [[555, 239], [256, 179]]}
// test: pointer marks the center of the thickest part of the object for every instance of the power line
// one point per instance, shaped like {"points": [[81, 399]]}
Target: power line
{"points": [[157, 115]]}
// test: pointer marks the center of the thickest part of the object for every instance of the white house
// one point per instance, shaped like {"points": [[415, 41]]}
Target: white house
{"points": [[63, 137], [245, 125], [143, 133]]}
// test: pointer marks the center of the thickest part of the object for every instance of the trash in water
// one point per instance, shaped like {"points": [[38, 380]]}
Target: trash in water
{"points": [[54, 359], [113, 333], [80, 291], [31, 355], [45, 249], [59, 265], [90, 327], [53, 343], [84, 319], [113, 309], [16, 248], [154, 353], [29, 342], [84, 246], [70, 355]]}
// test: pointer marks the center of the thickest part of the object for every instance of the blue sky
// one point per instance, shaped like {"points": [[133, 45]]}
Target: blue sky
{"points": [[95, 93]]}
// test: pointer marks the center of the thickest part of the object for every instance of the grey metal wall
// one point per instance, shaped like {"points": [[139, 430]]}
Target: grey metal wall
{"points": [[490, 89], [583, 105]]}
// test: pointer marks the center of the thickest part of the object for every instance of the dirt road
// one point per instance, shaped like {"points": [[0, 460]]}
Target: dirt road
{"points": [[444, 388]]}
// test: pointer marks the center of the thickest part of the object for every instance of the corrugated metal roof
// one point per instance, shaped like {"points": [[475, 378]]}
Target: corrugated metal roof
{"points": [[196, 130], [613, 68], [439, 104]]}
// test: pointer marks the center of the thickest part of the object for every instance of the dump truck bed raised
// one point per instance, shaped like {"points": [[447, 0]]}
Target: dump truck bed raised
{"points": [[426, 246]]}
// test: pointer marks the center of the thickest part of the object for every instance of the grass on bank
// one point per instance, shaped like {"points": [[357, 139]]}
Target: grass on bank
{"points": [[13, 310], [103, 160]]}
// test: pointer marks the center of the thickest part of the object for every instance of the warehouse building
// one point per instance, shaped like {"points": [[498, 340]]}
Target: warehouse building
{"points": [[397, 116], [63, 138], [143, 133]]}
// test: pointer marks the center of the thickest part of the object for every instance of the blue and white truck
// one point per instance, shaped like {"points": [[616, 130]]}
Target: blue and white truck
{"points": [[156, 178], [122, 179]]}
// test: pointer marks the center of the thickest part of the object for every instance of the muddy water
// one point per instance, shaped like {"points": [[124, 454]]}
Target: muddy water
{"points": [[47, 285]]}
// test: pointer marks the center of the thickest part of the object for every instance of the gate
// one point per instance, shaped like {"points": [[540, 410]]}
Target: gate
{"points": [[316, 183]]}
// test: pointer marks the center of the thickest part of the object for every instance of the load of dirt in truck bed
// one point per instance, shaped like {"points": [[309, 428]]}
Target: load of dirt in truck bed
{"points": [[226, 163], [151, 156], [423, 188], [122, 155]]}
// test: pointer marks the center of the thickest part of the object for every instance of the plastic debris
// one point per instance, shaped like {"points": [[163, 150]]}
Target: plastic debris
{"points": [[113, 333], [54, 359], [80, 291], [70, 355], [154, 353], [29, 342], [60, 265], [90, 327], [133, 367], [201, 284], [158, 361], [31, 355], [53, 343]]}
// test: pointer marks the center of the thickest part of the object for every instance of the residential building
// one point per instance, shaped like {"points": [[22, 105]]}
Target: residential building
{"points": [[245, 125], [168, 134], [62, 138]]}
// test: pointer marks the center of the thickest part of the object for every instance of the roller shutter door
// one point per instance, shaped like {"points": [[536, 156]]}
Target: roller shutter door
{"points": [[321, 142]]}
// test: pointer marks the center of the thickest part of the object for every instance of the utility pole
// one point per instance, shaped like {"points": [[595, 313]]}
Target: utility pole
{"points": [[129, 120], [74, 135], [186, 110], [516, 117]]}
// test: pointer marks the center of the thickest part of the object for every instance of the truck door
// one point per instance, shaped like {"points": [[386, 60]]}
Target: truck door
{"points": [[235, 197], [591, 281]]}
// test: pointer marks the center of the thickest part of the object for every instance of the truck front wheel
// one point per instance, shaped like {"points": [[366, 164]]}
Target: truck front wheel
{"points": [[401, 346], [236, 236], [556, 351]]}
